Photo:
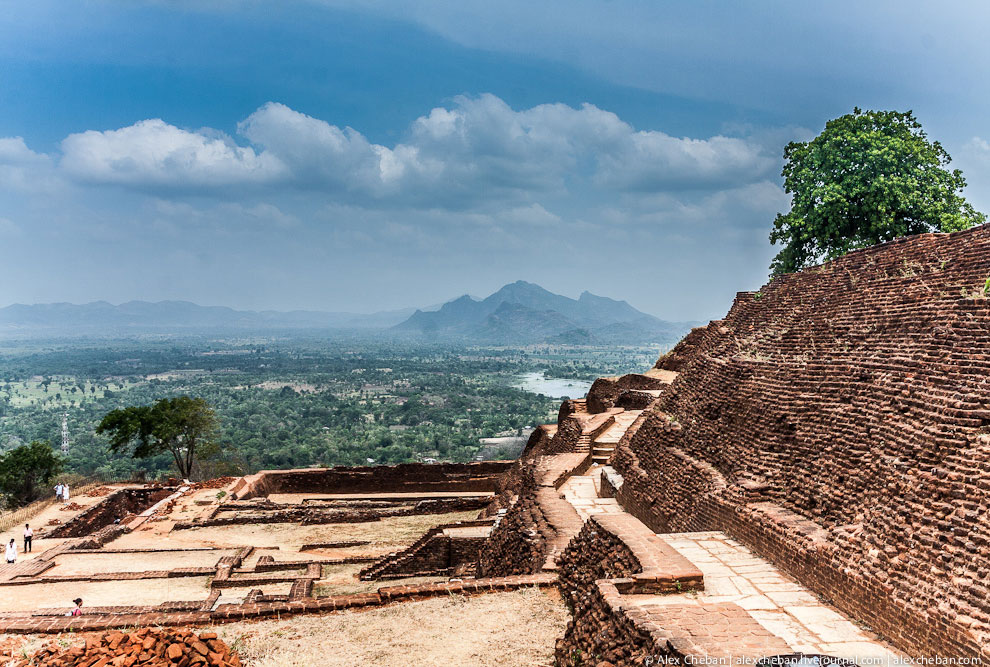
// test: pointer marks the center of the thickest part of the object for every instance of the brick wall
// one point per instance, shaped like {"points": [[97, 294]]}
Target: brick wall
{"points": [[403, 478], [433, 553], [839, 422], [518, 544], [115, 506]]}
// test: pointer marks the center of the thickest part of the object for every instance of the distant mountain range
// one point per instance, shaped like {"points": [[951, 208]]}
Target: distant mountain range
{"points": [[145, 316], [520, 312]]}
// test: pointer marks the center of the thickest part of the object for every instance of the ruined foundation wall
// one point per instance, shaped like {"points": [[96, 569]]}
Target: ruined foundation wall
{"points": [[517, 544], [839, 422], [402, 478], [537, 523], [115, 506]]}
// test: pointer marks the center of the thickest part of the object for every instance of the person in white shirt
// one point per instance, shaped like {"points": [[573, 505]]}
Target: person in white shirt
{"points": [[12, 551], [58, 491], [28, 536], [65, 493]]}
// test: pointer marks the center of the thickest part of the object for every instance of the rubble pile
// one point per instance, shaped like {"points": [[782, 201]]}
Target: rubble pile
{"points": [[164, 647]]}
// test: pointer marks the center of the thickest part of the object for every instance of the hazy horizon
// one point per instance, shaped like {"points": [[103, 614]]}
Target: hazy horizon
{"points": [[368, 310], [369, 156]]}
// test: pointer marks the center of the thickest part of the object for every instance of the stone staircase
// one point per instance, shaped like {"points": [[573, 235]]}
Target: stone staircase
{"points": [[604, 445]]}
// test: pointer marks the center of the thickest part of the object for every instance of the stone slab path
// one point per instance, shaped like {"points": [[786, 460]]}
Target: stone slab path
{"points": [[748, 607], [581, 491], [733, 574]]}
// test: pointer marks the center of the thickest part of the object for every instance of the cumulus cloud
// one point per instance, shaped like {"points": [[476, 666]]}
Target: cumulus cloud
{"points": [[22, 169], [14, 152], [315, 152], [152, 153], [477, 151]]}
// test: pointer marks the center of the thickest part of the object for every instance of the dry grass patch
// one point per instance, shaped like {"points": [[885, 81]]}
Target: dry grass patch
{"points": [[512, 629], [343, 580]]}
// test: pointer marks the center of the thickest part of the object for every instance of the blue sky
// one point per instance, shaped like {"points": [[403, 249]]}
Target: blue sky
{"points": [[372, 155]]}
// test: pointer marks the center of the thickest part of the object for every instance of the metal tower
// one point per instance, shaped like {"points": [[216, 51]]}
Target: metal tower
{"points": [[65, 433]]}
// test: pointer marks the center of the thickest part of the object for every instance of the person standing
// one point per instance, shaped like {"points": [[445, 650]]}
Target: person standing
{"points": [[12, 552], [28, 536], [65, 493], [58, 491]]}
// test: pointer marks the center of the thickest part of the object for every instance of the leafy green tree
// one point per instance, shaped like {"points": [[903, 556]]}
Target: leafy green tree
{"points": [[27, 471], [869, 177], [175, 425]]}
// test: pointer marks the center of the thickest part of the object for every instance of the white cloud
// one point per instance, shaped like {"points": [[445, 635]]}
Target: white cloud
{"points": [[13, 151], [477, 153], [654, 161], [152, 153], [315, 152], [21, 168]]}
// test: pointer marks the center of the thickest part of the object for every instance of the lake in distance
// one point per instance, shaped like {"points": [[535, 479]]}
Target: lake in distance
{"points": [[552, 387]]}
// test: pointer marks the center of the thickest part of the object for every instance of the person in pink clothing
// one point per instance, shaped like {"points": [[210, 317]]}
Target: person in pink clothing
{"points": [[77, 610]]}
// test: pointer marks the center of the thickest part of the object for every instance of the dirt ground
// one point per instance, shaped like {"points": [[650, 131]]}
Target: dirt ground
{"points": [[513, 629], [384, 536], [39, 521], [343, 580], [103, 593], [71, 563]]}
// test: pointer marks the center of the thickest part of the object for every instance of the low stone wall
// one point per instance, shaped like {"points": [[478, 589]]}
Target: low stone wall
{"points": [[127, 617], [594, 554], [518, 544], [403, 478], [601, 634], [611, 556], [538, 524], [116, 506], [309, 514], [432, 554], [606, 392]]}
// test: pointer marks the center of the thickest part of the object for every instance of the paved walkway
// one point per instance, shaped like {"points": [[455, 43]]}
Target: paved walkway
{"points": [[748, 607], [733, 574], [581, 491]]}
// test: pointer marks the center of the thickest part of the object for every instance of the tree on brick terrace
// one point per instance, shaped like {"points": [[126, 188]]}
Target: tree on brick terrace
{"points": [[178, 425], [869, 177], [27, 472]]}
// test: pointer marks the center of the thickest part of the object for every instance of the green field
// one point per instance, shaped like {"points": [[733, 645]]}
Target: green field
{"points": [[294, 402]]}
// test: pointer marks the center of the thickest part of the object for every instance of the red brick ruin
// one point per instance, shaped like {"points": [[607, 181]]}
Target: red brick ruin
{"points": [[810, 472]]}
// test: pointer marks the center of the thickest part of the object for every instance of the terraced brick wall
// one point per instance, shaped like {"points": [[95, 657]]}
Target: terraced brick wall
{"points": [[839, 421]]}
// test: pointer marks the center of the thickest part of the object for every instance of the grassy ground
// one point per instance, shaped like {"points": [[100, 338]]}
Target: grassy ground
{"points": [[513, 629]]}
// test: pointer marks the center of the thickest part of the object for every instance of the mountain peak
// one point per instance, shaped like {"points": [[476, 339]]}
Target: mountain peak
{"points": [[524, 312]]}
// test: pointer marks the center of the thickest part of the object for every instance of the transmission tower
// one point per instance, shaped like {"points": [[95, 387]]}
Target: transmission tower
{"points": [[65, 433]]}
